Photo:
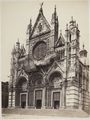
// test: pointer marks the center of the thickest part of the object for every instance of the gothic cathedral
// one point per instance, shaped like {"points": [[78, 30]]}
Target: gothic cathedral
{"points": [[51, 72]]}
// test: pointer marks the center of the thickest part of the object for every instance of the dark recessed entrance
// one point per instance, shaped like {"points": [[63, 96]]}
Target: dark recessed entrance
{"points": [[38, 99], [23, 100], [23, 104], [38, 104], [56, 104], [56, 100]]}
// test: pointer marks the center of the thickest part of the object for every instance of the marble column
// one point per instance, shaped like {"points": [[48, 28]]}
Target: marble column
{"points": [[27, 100], [43, 97], [10, 100], [13, 99]]}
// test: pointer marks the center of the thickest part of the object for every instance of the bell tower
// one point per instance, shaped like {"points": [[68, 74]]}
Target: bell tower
{"points": [[72, 63], [73, 45]]}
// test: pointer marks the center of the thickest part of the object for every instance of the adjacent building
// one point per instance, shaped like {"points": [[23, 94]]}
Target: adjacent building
{"points": [[5, 94]]}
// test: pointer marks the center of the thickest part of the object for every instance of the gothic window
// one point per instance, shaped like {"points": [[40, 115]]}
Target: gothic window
{"points": [[70, 37], [39, 50]]}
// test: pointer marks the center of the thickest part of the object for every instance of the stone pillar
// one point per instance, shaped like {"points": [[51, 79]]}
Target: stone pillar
{"points": [[62, 98], [10, 100], [13, 99], [27, 100], [34, 99], [80, 100], [43, 97], [64, 93]]}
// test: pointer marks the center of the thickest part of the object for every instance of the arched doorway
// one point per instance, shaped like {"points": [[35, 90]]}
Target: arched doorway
{"points": [[21, 92], [37, 82], [55, 81]]}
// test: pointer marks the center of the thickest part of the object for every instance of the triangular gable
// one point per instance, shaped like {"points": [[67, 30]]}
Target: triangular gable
{"points": [[54, 66], [41, 25], [60, 41]]}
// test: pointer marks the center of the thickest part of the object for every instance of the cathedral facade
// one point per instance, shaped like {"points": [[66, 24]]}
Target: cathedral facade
{"points": [[51, 72]]}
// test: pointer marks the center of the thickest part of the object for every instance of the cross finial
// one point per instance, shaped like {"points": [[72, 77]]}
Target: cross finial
{"points": [[41, 11], [55, 7], [71, 18], [30, 20], [18, 40], [42, 4], [83, 46]]}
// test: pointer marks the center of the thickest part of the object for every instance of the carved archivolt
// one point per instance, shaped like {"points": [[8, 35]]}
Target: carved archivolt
{"points": [[22, 83], [55, 79]]}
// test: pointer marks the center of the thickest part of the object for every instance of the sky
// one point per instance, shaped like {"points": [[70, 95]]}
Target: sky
{"points": [[16, 15]]}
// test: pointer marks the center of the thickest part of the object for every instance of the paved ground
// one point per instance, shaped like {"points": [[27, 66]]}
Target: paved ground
{"points": [[36, 117]]}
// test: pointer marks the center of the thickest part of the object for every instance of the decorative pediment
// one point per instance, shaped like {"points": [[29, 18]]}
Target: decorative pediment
{"points": [[60, 42], [41, 25], [55, 67]]}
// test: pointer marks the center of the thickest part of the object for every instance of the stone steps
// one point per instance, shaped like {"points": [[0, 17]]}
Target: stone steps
{"points": [[46, 112]]}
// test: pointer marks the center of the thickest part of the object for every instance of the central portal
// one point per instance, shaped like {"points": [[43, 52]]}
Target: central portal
{"points": [[56, 100], [38, 99], [38, 104], [23, 100]]}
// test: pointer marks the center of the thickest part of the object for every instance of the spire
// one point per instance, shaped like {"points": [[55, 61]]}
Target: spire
{"points": [[55, 9], [55, 13], [83, 46], [72, 21], [41, 10], [77, 25], [71, 18], [17, 44], [54, 16], [29, 28], [83, 52], [66, 26], [66, 31], [13, 50]]}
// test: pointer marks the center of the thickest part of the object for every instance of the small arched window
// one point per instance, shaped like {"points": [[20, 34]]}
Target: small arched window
{"points": [[70, 37]]}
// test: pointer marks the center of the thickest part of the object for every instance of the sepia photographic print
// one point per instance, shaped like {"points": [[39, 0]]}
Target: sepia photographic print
{"points": [[45, 59]]}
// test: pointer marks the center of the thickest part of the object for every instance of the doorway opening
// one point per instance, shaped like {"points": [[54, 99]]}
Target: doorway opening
{"points": [[56, 100], [23, 104], [38, 104], [56, 104], [38, 99], [23, 100]]}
